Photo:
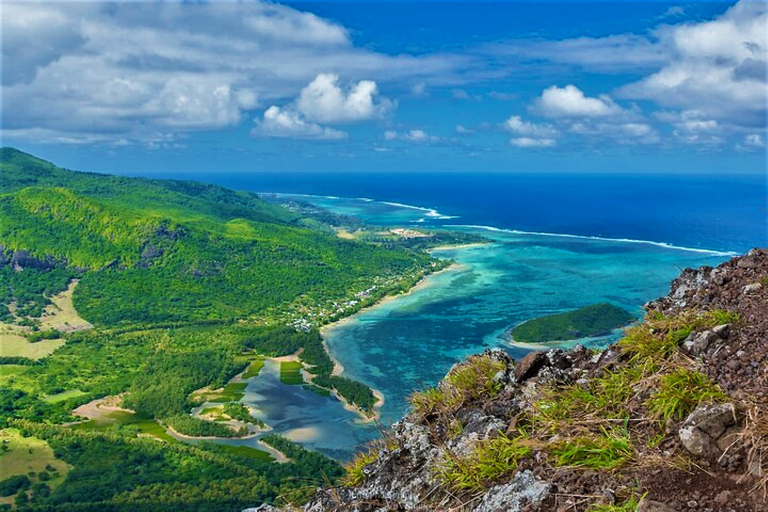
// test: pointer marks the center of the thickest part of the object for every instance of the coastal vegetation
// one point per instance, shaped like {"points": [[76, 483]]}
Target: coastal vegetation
{"points": [[586, 322], [169, 290]]}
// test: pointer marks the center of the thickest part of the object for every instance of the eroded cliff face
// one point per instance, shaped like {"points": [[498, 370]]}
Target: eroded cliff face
{"points": [[672, 418]]}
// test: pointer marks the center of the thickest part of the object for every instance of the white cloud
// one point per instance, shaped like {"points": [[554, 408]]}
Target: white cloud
{"points": [[93, 70], [463, 130], [324, 101], [570, 101], [754, 140], [287, 123], [410, 136], [529, 142], [517, 125], [716, 66], [611, 54]]}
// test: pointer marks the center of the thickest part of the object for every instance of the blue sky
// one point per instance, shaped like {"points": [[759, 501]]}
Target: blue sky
{"points": [[143, 87]]}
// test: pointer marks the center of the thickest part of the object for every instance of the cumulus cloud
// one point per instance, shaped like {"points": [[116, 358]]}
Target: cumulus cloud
{"points": [[138, 70], [410, 136], [717, 67], [286, 123], [324, 101], [517, 125], [528, 142], [570, 101]]}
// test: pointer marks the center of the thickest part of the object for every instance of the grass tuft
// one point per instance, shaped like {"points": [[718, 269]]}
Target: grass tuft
{"points": [[355, 474], [680, 392], [607, 450], [474, 379], [491, 460], [660, 336], [629, 505]]}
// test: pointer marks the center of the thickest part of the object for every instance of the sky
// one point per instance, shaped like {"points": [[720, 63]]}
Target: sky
{"points": [[498, 86]]}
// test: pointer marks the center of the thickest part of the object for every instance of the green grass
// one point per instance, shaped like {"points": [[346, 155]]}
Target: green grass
{"points": [[27, 454], [680, 392], [290, 372], [254, 368], [660, 336], [246, 451], [431, 401], [491, 460], [232, 392], [474, 379], [629, 505], [142, 425], [608, 450], [355, 474], [64, 395]]}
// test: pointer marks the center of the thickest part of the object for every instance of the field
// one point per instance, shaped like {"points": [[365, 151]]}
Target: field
{"points": [[144, 426], [61, 315], [64, 395], [13, 344], [254, 369], [232, 392], [290, 372], [29, 454]]}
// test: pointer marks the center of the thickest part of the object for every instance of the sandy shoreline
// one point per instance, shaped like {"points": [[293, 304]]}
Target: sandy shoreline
{"points": [[338, 368], [461, 246]]}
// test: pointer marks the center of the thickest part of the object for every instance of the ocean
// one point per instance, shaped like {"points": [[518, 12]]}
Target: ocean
{"points": [[560, 241]]}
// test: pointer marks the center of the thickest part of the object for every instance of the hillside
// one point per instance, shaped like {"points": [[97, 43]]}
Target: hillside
{"points": [[139, 294], [671, 418]]}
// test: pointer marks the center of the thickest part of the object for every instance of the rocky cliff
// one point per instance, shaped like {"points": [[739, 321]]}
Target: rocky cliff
{"points": [[674, 417]]}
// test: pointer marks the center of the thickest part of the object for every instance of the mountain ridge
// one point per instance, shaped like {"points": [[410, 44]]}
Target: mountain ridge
{"points": [[671, 418]]}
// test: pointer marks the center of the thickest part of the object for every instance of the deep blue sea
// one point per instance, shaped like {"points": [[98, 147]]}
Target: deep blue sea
{"points": [[560, 242]]}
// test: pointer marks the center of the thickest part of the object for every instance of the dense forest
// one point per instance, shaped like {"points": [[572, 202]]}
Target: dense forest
{"points": [[594, 320], [184, 284]]}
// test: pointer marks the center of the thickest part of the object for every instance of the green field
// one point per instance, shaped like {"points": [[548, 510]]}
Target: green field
{"points": [[232, 392], [290, 372], [254, 369], [64, 395], [113, 419], [29, 454]]}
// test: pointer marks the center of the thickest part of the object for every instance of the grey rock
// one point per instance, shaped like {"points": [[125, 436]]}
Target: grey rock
{"points": [[698, 342], [696, 442], [722, 330], [647, 505], [522, 492], [752, 288], [713, 420]]}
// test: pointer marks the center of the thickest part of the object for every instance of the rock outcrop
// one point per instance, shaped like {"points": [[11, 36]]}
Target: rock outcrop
{"points": [[672, 418]]}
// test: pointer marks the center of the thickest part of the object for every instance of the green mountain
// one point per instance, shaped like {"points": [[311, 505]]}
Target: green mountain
{"points": [[186, 286], [176, 251]]}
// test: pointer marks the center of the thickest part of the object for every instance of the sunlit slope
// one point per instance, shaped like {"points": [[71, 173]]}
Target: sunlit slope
{"points": [[173, 251]]}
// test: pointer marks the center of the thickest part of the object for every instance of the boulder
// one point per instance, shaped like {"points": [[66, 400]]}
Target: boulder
{"points": [[523, 492], [530, 365]]}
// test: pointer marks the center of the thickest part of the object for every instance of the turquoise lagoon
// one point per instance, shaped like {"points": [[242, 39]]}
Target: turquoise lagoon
{"points": [[409, 342]]}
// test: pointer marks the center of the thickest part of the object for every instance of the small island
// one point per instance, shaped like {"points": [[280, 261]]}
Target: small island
{"points": [[586, 322]]}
